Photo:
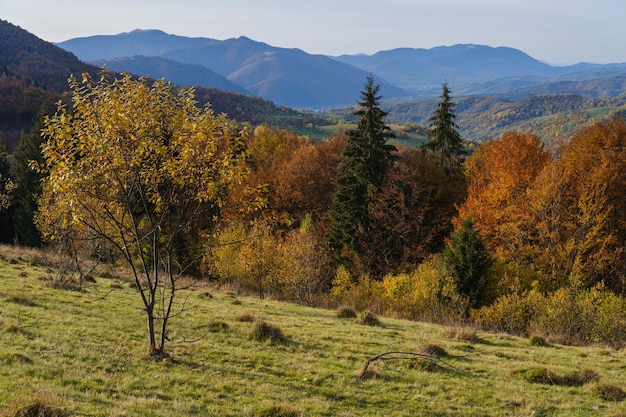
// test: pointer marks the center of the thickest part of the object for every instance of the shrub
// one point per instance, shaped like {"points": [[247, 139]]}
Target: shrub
{"points": [[346, 312], [264, 331], [610, 319], [367, 318], [512, 313], [427, 293]]}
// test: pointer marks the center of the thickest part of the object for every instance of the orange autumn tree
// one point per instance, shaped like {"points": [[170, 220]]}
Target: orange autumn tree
{"points": [[500, 174], [579, 208]]}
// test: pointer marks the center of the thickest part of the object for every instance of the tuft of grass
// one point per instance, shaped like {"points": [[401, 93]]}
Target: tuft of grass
{"points": [[9, 358], [422, 365], [218, 327], [536, 375], [346, 312], [538, 341], [40, 404], [609, 392], [39, 409], [542, 375], [433, 350], [21, 300], [367, 318], [262, 331], [462, 334], [245, 317], [276, 411]]}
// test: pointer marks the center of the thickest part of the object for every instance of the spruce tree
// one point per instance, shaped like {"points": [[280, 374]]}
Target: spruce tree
{"points": [[28, 183], [445, 140], [366, 158], [6, 197], [467, 259]]}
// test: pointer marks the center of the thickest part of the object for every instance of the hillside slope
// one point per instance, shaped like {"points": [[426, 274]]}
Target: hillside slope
{"points": [[84, 352]]}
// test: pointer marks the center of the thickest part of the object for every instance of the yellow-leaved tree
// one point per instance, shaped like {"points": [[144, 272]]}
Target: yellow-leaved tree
{"points": [[138, 166]]}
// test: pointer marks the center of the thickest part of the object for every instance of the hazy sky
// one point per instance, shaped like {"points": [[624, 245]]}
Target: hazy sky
{"points": [[556, 31]]}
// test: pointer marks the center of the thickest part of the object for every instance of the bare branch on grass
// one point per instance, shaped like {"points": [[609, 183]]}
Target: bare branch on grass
{"points": [[400, 355]]}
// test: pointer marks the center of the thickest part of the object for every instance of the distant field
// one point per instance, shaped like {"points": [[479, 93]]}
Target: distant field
{"points": [[84, 352]]}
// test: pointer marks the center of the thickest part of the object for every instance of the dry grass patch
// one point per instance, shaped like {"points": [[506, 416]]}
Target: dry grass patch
{"points": [[462, 334]]}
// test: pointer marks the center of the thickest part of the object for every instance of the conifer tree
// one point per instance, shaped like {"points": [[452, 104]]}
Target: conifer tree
{"points": [[445, 140], [7, 187], [28, 184], [467, 260], [366, 157]]}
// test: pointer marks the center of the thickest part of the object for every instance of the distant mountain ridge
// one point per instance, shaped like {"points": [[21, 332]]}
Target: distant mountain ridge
{"points": [[288, 77], [34, 77], [177, 72], [294, 78], [419, 70]]}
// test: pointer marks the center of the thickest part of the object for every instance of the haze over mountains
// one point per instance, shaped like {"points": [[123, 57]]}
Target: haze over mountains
{"points": [[292, 77], [524, 95]]}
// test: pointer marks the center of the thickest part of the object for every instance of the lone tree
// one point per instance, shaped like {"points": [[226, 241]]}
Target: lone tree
{"points": [[366, 158], [138, 167], [445, 140]]}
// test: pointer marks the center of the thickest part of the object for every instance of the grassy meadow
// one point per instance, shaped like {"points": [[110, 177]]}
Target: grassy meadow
{"points": [[83, 353]]}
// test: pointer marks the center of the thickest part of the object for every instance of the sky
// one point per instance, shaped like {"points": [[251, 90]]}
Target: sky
{"points": [[559, 32]]}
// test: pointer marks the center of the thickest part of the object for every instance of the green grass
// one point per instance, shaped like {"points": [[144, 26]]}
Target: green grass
{"points": [[85, 351]]}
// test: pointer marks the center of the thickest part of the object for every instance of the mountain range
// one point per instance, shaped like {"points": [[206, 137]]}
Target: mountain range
{"points": [[294, 78], [34, 77], [525, 95]]}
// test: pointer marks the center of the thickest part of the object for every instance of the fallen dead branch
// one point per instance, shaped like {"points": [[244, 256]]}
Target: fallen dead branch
{"points": [[399, 355]]}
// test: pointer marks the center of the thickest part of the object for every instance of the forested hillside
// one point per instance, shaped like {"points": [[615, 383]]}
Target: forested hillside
{"points": [[550, 116], [33, 76]]}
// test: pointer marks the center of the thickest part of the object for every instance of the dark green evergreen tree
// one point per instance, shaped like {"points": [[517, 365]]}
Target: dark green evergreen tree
{"points": [[6, 197], [366, 158], [28, 183], [467, 259], [445, 140]]}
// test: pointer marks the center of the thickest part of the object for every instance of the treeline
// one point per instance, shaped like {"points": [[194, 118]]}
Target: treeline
{"points": [[516, 237]]}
